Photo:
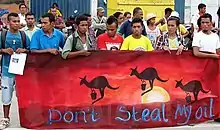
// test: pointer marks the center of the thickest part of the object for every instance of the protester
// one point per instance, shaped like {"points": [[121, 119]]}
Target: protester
{"points": [[99, 22], [1, 24], [58, 12], [48, 39], [91, 32], [181, 29], [110, 40], [14, 41], [30, 28], [120, 19], [206, 43], [79, 43], [127, 16], [136, 41], [171, 40], [163, 21], [23, 11], [126, 29], [59, 22], [153, 32], [195, 17]]}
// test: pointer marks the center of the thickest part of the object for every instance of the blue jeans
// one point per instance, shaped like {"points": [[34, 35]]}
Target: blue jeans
{"points": [[8, 87]]}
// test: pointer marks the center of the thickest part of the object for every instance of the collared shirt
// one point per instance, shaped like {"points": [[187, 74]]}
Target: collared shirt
{"points": [[68, 47], [22, 19], [13, 41], [29, 32], [40, 41]]}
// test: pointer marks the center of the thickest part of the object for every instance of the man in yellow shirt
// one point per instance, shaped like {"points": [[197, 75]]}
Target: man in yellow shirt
{"points": [[136, 41], [181, 29]]}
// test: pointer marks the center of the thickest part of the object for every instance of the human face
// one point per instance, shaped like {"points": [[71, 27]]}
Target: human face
{"points": [[23, 9], [137, 29], [206, 24], [153, 20], [120, 19], [30, 20], [89, 21], [83, 27], [101, 13], [172, 27], [139, 14], [46, 24], [111, 30], [14, 23], [203, 10], [53, 11], [128, 17]]}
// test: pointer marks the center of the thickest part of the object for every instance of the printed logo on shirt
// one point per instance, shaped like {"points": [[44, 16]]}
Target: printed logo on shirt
{"points": [[113, 46], [139, 49]]}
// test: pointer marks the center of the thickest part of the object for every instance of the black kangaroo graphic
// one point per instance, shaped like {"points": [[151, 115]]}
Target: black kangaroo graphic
{"points": [[194, 87], [149, 74], [100, 83]]}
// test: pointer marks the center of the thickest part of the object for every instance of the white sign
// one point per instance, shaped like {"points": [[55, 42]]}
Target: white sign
{"points": [[17, 63]]}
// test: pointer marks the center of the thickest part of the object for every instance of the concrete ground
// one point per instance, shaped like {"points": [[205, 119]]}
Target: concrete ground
{"points": [[210, 125]]}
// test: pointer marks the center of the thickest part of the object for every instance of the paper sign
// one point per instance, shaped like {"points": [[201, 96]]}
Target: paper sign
{"points": [[17, 63]]}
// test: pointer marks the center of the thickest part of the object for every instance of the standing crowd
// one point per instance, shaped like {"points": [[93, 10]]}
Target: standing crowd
{"points": [[131, 32]]}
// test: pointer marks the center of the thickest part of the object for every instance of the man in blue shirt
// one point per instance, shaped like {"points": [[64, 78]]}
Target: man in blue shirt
{"points": [[48, 39], [126, 30], [13, 44]]}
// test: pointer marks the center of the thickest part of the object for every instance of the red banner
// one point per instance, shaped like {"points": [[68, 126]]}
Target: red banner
{"points": [[118, 90]]}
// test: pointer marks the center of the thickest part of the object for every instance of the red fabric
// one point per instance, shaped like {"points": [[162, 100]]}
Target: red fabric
{"points": [[50, 83], [106, 42]]}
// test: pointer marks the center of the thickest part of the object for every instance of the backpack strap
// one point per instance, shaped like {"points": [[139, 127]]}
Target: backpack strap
{"points": [[23, 38], [74, 43], [3, 38]]}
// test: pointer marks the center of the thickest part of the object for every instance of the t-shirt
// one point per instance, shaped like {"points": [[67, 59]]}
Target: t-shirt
{"points": [[106, 42], [153, 35], [13, 41], [22, 19], [181, 28], [142, 44], [173, 44], [206, 43]]}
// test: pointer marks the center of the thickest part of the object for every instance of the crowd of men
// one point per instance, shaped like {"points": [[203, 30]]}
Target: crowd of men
{"points": [[117, 32]]}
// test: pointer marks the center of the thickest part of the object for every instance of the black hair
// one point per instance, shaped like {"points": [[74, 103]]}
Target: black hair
{"points": [[12, 15], [80, 18], [112, 19], [22, 4], [200, 6], [117, 14], [50, 16], [174, 19], [137, 20], [206, 15], [55, 4], [126, 13], [87, 15], [29, 14], [218, 12], [136, 10], [168, 10]]}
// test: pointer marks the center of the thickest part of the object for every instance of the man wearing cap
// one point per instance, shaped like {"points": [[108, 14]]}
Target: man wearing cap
{"points": [[99, 22], [182, 30]]}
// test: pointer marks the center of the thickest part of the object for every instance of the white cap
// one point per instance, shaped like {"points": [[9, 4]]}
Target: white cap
{"points": [[175, 14], [150, 16]]}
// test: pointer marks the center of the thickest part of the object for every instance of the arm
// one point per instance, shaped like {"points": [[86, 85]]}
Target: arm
{"points": [[98, 25], [159, 22], [197, 53], [101, 43]]}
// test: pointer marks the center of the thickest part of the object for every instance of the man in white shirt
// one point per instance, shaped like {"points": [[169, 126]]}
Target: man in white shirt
{"points": [[195, 17], [30, 28], [206, 43], [23, 11]]}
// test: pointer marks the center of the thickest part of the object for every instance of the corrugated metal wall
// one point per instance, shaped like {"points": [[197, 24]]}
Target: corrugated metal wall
{"points": [[180, 8], [40, 7], [101, 3]]}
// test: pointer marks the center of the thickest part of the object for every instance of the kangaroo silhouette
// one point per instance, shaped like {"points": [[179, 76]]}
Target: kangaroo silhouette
{"points": [[149, 74], [194, 87], [100, 83]]}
